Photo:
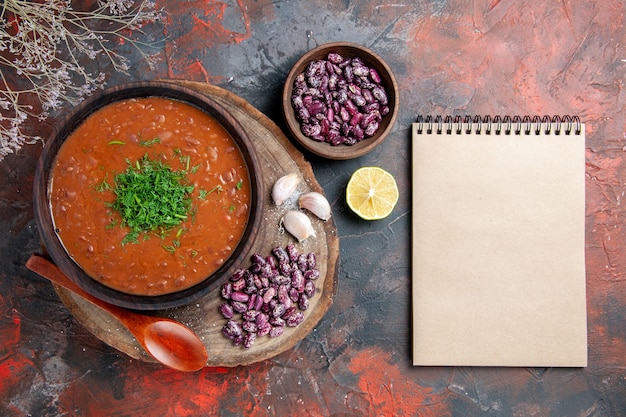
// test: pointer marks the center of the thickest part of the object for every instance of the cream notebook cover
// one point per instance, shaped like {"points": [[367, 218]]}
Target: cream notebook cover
{"points": [[498, 243]]}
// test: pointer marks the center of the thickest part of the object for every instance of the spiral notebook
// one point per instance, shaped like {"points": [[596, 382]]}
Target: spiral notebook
{"points": [[498, 242]]}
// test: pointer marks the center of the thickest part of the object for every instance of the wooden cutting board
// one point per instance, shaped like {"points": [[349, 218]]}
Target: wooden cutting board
{"points": [[277, 157]]}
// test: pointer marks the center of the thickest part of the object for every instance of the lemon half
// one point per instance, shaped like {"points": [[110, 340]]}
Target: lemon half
{"points": [[372, 193]]}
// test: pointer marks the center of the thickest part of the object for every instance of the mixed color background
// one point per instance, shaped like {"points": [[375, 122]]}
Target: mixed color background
{"points": [[488, 57]]}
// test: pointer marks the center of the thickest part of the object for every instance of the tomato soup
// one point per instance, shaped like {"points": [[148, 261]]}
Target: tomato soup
{"points": [[172, 134]]}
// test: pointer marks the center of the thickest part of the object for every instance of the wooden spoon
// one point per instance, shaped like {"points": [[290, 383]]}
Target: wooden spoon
{"points": [[169, 342]]}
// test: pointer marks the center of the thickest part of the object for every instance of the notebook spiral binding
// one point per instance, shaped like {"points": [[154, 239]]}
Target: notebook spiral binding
{"points": [[498, 125]]}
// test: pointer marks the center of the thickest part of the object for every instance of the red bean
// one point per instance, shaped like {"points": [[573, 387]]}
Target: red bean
{"points": [[311, 260], [371, 128], [237, 275], [276, 331], [288, 302], [351, 107], [258, 305], [260, 319], [358, 133], [348, 73], [278, 310], [233, 328], [227, 311], [312, 274], [303, 302], [250, 315], [263, 330], [356, 119], [358, 100], [297, 280], [248, 339], [239, 307], [335, 58], [295, 320], [288, 313], [277, 321], [302, 262], [283, 293], [375, 76], [227, 290], [258, 259], [252, 301], [380, 94], [294, 294], [269, 294], [257, 281], [292, 251], [309, 289], [315, 108], [311, 130], [239, 285], [249, 326], [255, 268]]}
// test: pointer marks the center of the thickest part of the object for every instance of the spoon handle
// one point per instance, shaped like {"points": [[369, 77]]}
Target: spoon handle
{"points": [[49, 270]]}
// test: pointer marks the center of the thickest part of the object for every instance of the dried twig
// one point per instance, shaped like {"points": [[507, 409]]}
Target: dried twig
{"points": [[44, 45]]}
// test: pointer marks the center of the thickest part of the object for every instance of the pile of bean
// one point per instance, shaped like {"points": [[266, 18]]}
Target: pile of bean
{"points": [[339, 100], [269, 295]]}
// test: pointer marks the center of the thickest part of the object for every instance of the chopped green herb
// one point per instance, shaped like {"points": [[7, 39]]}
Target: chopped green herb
{"points": [[172, 248], [104, 185], [150, 142], [131, 237], [185, 159], [204, 193], [151, 197], [116, 142], [239, 184], [217, 188]]}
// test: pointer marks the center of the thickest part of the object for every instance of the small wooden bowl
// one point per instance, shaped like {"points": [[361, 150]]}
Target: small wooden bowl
{"points": [[43, 215], [370, 59]]}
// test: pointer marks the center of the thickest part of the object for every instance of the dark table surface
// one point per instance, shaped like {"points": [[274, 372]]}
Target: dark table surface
{"points": [[449, 57]]}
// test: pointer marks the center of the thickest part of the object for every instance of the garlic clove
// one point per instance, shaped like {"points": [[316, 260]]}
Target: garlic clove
{"points": [[298, 224], [316, 203], [284, 187]]}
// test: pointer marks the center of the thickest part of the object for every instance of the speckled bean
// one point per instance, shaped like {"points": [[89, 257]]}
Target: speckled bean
{"points": [[337, 89], [269, 296]]}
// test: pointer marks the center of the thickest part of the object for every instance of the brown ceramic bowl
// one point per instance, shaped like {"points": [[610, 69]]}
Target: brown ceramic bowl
{"points": [[43, 215], [342, 151]]}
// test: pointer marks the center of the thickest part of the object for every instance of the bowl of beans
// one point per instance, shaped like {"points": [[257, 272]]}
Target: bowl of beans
{"points": [[148, 195], [340, 100]]}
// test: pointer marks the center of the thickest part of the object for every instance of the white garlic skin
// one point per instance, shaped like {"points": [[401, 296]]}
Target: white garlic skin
{"points": [[284, 188], [298, 224], [316, 203]]}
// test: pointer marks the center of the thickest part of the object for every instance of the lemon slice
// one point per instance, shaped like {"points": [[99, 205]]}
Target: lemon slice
{"points": [[372, 193]]}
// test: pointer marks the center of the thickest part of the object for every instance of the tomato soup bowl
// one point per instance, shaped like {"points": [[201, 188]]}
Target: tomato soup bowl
{"points": [[195, 159]]}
